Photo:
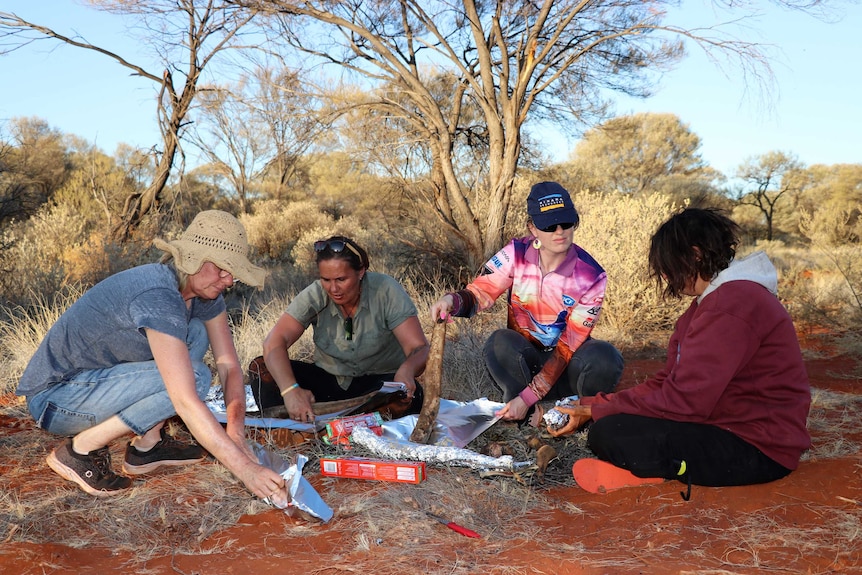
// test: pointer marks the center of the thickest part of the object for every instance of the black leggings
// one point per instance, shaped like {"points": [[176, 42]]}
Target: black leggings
{"points": [[651, 447], [512, 362], [325, 386]]}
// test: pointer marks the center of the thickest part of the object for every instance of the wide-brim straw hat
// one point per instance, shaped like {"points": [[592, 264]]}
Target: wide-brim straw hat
{"points": [[218, 237]]}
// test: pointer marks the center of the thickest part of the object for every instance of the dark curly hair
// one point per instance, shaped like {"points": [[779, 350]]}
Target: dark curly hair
{"points": [[696, 242]]}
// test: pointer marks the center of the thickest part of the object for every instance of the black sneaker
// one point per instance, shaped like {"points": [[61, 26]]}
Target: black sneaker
{"points": [[168, 451], [92, 472]]}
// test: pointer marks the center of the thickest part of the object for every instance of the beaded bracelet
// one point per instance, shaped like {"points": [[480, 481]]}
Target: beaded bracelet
{"points": [[289, 389]]}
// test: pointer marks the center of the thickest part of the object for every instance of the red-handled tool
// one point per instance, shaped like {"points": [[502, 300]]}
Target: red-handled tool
{"points": [[454, 526]]}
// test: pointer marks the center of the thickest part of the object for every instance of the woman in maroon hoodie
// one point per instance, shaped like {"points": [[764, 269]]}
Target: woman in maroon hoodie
{"points": [[731, 403]]}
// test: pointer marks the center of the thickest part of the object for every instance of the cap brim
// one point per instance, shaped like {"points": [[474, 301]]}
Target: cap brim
{"points": [[559, 216]]}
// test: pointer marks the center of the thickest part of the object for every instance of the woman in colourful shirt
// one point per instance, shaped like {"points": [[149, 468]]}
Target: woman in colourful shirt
{"points": [[555, 292]]}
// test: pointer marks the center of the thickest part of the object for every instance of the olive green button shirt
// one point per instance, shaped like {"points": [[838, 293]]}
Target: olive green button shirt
{"points": [[383, 306]]}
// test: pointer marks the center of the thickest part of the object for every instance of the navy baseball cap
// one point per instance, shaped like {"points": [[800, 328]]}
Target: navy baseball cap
{"points": [[549, 204]]}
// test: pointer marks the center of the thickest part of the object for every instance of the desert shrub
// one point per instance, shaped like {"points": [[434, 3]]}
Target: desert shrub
{"points": [[835, 233], [22, 330], [616, 230], [275, 226], [20, 263], [56, 248], [34, 261]]}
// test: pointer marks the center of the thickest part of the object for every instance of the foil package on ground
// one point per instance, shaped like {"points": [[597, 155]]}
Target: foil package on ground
{"points": [[301, 494], [556, 419], [391, 448]]}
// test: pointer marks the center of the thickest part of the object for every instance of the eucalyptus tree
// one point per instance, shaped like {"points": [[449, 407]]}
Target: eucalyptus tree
{"points": [[186, 36], [513, 60], [767, 179], [33, 166], [642, 153], [254, 132]]}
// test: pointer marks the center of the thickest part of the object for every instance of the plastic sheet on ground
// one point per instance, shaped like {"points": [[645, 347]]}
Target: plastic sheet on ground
{"points": [[457, 424], [302, 495]]}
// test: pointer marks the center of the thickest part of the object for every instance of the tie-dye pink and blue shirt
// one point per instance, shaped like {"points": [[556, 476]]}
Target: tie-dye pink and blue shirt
{"points": [[556, 311]]}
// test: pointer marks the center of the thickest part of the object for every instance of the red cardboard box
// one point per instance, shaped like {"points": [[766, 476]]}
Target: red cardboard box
{"points": [[374, 469], [338, 431]]}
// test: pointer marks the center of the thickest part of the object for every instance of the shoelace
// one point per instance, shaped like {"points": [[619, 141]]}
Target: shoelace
{"points": [[102, 460], [170, 442]]}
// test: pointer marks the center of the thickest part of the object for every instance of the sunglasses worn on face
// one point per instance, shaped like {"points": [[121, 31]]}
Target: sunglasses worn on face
{"points": [[553, 228], [336, 246], [348, 329]]}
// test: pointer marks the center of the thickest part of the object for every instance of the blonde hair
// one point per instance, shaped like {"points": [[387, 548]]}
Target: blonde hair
{"points": [[182, 277]]}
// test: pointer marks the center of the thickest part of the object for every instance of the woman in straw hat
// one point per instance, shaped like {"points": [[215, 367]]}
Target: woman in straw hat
{"points": [[129, 354]]}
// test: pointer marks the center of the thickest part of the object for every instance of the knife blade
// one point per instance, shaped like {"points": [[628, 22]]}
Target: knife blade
{"points": [[454, 526]]}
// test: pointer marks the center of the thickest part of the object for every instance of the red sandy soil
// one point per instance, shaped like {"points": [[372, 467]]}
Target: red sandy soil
{"points": [[809, 522]]}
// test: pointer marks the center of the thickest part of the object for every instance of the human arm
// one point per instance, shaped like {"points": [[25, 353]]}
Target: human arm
{"points": [[415, 345], [230, 375], [704, 354], [287, 331], [175, 366], [496, 278]]}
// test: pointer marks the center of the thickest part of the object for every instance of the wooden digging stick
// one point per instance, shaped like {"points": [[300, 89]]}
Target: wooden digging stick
{"points": [[431, 384]]}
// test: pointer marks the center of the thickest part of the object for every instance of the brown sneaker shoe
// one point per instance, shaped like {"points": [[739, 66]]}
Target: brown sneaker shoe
{"points": [[92, 472], [167, 452]]}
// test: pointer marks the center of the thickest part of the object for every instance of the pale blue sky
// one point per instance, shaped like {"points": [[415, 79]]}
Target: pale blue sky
{"points": [[815, 113]]}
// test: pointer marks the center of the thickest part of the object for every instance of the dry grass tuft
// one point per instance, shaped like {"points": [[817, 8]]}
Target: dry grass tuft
{"points": [[832, 418], [153, 518]]}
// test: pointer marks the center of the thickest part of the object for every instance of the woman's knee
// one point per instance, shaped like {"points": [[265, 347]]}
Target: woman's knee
{"points": [[503, 343], [600, 365], [511, 361], [601, 437]]}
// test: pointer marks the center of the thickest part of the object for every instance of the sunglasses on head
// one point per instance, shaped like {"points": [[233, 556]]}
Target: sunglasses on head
{"points": [[337, 246], [551, 229]]}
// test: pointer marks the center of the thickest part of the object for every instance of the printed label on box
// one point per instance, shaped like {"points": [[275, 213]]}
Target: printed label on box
{"points": [[373, 469]]}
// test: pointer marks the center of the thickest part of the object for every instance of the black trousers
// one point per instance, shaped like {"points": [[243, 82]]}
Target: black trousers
{"points": [[325, 386], [651, 447], [512, 362]]}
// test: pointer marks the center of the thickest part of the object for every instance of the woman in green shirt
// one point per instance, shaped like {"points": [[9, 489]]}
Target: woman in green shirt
{"points": [[366, 332]]}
